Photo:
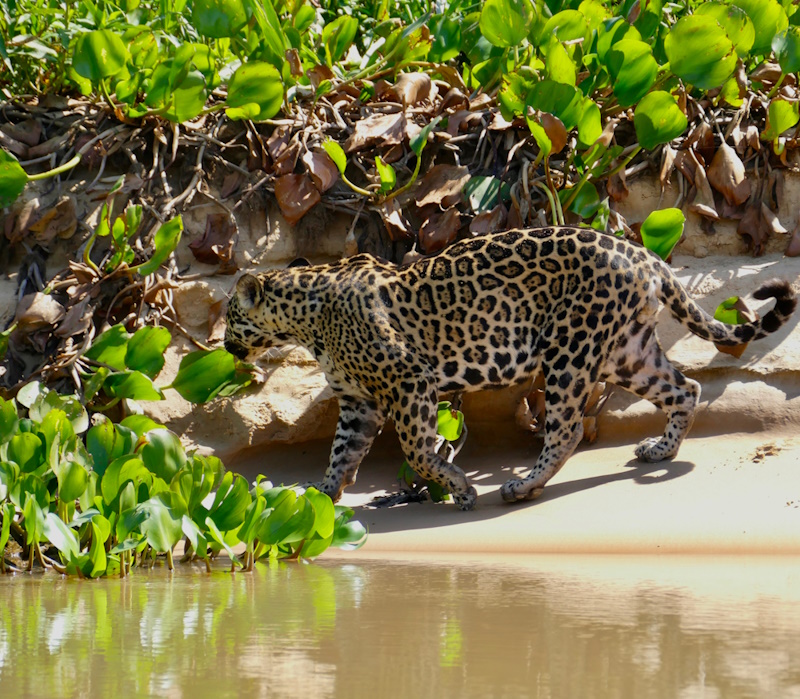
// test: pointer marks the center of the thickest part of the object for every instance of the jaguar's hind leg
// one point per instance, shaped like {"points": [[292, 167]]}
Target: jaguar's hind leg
{"points": [[566, 393], [639, 365], [360, 421], [415, 418]]}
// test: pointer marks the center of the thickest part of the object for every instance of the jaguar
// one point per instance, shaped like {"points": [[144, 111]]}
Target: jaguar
{"points": [[493, 310]]}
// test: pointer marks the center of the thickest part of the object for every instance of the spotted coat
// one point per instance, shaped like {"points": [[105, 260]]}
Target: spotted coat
{"points": [[489, 311]]}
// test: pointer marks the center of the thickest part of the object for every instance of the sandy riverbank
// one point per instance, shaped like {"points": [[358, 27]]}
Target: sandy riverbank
{"points": [[723, 494]]}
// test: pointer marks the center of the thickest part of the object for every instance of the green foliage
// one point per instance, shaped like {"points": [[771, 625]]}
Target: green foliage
{"points": [[662, 230], [113, 499]]}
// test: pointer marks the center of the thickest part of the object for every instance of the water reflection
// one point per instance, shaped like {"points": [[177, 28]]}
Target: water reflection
{"points": [[538, 627]]}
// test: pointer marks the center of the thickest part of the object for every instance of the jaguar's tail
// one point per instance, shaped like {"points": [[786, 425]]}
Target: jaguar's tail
{"points": [[685, 310]]}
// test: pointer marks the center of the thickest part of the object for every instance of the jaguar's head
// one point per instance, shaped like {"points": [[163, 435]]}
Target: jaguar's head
{"points": [[250, 322]]}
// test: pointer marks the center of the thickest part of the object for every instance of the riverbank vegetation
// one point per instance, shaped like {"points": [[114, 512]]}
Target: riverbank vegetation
{"points": [[431, 120]]}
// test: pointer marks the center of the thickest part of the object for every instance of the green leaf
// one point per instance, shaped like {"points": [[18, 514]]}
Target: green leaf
{"points": [[590, 126], [700, 52], [633, 70], [9, 472], [7, 512], [567, 25], [61, 536], [188, 98], [558, 99], [559, 66], [218, 19], [219, 538], [482, 192], [734, 20], [585, 202], [336, 153], [768, 18], [386, 173], [613, 31], [450, 422], [140, 424], [12, 179], [338, 36], [133, 385], [165, 241], [99, 54], [325, 517], [100, 441], [230, 503], [506, 23], [145, 350], [27, 451], [163, 454], [110, 347], [658, 119], [97, 551], [161, 527], [728, 312], [9, 420], [72, 481], [446, 40], [119, 472], [662, 230], [255, 92], [202, 374], [786, 46], [418, 143], [781, 115]]}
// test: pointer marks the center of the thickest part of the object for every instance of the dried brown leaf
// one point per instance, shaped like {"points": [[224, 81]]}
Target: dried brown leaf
{"points": [[319, 73], [49, 146], [293, 59], [216, 321], [278, 142], [668, 154], [554, 128], [60, 222], [462, 120], [489, 221], [287, 160], [216, 245], [617, 188], [231, 184], [703, 203], [453, 99], [77, 320], [322, 169], [28, 132], [752, 228], [726, 175], [411, 88], [37, 311], [394, 221], [771, 221], [12, 145], [793, 248], [383, 129], [442, 185], [25, 216], [439, 230], [296, 195]]}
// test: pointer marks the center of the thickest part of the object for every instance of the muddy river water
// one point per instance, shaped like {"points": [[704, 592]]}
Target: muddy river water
{"points": [[347, 626]]}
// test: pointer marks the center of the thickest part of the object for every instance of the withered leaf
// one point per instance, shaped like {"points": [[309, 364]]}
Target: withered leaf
{"points": [[36, 311], [752, 229], [296, 195], [13, 145], [278, 141], [386, 129], [60, 222], [703, 203], [319, 73], [667, 164], [442, 185], [77, 320], [793, 248], [322, 169], [287, 160], [726, 175], [394, 221], [411, 88], [439, 230], [489, 221], [771, 220], [28, 132], [295, 64], [617, 188], [216, 245], [231, 183], [216, 321], [554, 128], [453, 99]]}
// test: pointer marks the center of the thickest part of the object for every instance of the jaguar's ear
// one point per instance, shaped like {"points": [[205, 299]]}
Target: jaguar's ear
{"points": [[248, 291], [299, 262]]}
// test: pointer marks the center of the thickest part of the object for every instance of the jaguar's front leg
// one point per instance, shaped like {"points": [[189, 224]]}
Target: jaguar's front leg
{"points": [[360, 420]]}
